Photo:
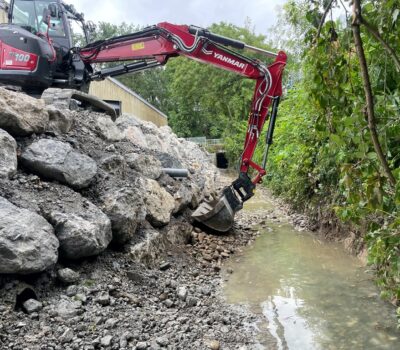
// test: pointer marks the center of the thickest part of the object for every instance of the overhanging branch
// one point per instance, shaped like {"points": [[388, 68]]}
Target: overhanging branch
{"points": [[374, 32], [368, 92]]}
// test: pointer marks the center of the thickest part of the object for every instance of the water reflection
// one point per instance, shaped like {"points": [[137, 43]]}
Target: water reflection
{"points": [[312, 293]]}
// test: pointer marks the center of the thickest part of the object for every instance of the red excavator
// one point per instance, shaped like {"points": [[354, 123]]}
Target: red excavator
{"points": [[38, 57]]}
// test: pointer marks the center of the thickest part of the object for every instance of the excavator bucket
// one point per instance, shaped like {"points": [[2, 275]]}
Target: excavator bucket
{"points": [[219, 213]]}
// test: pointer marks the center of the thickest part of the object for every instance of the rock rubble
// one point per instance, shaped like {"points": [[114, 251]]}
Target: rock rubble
{"points": [[82, 184], [84, 181]]}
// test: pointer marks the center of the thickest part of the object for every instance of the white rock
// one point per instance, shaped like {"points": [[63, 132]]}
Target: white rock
{"points": [[182, 293], [146, 164], [27, 241], [8, 155], [159, 203], [21, 114], [107, 129], [32, 305]]}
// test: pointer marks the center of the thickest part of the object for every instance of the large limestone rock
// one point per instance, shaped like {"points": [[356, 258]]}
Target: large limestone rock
{"points": [[60, 121], [146, 164], [82, 229], [131, 131], [21, 114], [183, 197], [155, 243], [107, 129], [27, 241], [159, 204], [126, 209], [57, 160], [8, 155]]}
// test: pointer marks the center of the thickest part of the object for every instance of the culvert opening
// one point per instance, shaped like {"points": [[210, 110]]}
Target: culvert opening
{"points": [[23, 295], [221, 160]]}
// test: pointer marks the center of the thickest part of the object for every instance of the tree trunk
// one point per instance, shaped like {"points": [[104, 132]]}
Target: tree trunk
{"points": [[368, 92]]}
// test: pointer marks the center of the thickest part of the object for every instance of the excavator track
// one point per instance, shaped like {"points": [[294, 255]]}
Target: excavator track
{"points": [[65, 98]]}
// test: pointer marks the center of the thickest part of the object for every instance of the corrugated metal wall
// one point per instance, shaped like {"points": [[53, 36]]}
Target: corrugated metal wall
{"points": [[111, 89]]}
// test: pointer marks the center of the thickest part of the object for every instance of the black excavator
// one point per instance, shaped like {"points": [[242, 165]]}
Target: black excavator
{"points": [[39, 57]]}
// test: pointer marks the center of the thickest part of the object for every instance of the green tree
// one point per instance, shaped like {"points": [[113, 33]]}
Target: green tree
{"points": [[324, 160], [206, 101]]}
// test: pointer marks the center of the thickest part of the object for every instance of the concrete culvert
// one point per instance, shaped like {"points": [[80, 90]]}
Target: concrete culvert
{"points": [[23, 294]]}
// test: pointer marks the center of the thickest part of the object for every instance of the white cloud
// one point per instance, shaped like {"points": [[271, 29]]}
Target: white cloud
{"points": [[263, 13]]}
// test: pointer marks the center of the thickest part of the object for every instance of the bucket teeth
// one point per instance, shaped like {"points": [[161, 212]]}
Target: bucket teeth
{"points": [[219, 214]]}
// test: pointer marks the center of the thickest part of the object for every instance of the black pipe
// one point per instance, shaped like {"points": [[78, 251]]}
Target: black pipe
{"points": [[176, 172], [272, 120], [270, 132], [216, 38]]}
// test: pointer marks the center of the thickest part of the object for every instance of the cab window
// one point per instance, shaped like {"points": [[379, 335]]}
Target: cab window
{"points": [[31, 16]]}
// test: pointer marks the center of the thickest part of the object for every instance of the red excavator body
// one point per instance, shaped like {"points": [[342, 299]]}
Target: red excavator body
{"points": [[37, 53]]}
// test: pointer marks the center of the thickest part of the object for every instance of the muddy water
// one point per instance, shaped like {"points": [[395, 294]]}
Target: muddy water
{"points": [[311, 294]]}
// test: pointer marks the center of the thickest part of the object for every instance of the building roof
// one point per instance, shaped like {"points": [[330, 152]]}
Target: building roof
{"points": [[129, 91]]}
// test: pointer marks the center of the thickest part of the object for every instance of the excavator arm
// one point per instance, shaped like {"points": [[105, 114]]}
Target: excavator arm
{"points": [[155, 45]]}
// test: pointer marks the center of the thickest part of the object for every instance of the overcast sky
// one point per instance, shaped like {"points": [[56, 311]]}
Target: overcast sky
{"points": [[197, 12]]}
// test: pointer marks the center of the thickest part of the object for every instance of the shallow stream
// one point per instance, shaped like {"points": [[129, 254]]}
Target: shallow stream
{"points": [[311, 294]]}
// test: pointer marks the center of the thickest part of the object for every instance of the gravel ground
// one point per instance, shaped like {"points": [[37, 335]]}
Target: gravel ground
{"points": [[115, 302]]}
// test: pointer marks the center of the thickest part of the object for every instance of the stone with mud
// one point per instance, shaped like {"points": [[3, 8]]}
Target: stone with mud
{"points": [[32, 305], [8, 155], [130, 129], [60, 121], [146, 164], [125, 208], [114, 164], [22, 115], [68, 309], [107, 129], [56, 160], [103, 299], [27, 241], [68, 276], [67, 336], [183, 197]]}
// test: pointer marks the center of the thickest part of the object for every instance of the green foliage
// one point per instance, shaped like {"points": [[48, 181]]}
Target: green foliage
{"points": [[323, 157], [206, 101], [105, 30]]}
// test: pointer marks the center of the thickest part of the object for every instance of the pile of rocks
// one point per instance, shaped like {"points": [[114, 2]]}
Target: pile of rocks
{"points": [[72, 182]]}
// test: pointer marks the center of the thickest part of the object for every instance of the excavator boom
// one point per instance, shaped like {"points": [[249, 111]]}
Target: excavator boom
{"points": [[155, 45]]}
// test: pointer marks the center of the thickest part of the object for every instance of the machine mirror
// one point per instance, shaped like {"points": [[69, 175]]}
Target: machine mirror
{"points": [[91, 27], [53, 10]]}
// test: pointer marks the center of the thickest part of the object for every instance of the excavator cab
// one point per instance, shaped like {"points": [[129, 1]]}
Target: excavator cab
{"points": [[36, 45], [42, 17]]}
